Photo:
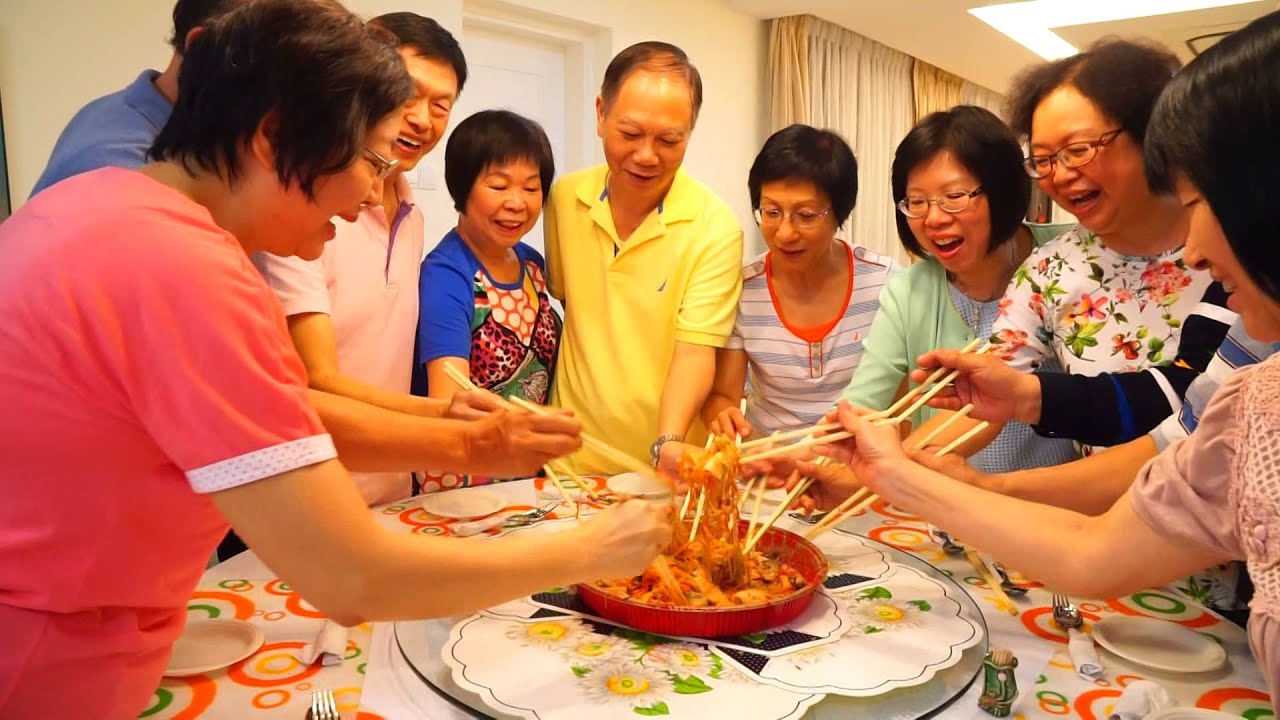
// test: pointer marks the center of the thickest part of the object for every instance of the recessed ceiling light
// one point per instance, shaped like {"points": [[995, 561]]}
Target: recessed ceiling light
{"points": [[1030, 23]]}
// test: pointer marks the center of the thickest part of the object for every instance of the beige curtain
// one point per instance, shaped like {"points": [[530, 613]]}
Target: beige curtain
{"points": [[933, 89], [862, 90], [788, 72], [974, 94]]}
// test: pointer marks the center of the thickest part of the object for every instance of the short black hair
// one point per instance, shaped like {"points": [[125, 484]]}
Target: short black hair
{"points": [[1122, 77], [652, 56], [1218, 124], [494, 137], [191, 14], [427, 39], [308, 71], [985, 147], [804, 153]]}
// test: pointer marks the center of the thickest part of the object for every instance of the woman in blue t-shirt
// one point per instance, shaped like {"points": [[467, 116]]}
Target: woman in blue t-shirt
{"points": [[484, 307]]}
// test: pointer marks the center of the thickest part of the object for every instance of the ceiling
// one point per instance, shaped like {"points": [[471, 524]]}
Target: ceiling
{"points": [[943, 33]]}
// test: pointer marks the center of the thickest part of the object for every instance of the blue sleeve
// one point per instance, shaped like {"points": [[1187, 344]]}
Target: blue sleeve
{"points": [[446, 305]]}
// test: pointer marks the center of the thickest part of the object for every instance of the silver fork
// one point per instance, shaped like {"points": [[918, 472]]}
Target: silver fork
{"points": [[1068, 617], [323, 706], [531, 516], [1066, 614]]}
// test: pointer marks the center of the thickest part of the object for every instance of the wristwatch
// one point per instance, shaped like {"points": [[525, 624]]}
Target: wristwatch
{"points": [[656, 447]]}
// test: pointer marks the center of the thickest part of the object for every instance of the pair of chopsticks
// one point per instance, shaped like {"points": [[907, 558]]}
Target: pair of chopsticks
{"points": [[895, 414], [993, 583], [464, 382]]}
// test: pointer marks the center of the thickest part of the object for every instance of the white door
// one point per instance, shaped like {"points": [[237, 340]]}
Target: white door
{"points": [[505, 70]]}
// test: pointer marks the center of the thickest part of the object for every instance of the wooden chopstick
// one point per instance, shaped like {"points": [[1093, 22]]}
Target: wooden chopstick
{"points": [[1002, 598], [697, 515], [555, 481], [896, 406], [464, 382], [610, 452], [742, 410], [805, 443], [924, 441], [755, 510], [963, 438], [937, 388], [786, 505], [801, 432], [594, 443], [838, 515]]}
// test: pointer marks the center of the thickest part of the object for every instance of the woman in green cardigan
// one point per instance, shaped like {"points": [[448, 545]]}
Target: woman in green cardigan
{"points": [[961, 195]]}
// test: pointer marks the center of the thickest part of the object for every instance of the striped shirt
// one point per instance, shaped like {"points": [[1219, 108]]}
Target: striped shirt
{"points": [[1237, 350], [796, 374]]}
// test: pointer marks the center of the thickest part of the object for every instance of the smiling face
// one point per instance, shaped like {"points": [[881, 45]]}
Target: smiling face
{"points": [[503, 205], [1110, 192], [1207, 248], [957, 240], [646, 132], [424, 118], [802, 244]]}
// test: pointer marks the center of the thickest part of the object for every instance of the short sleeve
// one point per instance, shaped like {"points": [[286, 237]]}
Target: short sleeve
{"points": [[884, 351], [551, 242], [710, 301], [736, 341], [301, 286], [446, 305], [201, 351], [1182, 493]]}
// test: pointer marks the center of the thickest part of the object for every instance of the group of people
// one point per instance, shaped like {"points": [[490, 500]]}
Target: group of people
{"points": [[217, 291]]}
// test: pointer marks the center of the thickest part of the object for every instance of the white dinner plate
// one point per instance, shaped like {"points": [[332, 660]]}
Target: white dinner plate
{"points": [[1182, 713], [207, 645], [1158, 644], [637, 485], [459, 504]]}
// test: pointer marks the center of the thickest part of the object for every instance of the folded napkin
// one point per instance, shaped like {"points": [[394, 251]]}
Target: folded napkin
{"points": [[329, 646], [475, 527], [1140, 699], [1084, 656]]}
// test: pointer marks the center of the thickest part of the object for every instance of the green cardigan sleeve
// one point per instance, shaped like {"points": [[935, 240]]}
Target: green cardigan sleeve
{"points": [[885, 349]]}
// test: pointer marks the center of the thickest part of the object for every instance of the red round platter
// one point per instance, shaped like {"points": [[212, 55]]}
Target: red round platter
{"points": [[713, 622]]}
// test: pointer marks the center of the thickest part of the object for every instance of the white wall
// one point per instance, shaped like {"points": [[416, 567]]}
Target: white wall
{"points": [[57, 54]]}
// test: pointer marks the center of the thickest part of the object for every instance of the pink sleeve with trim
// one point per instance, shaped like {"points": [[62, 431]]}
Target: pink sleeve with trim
{"points": [[206, 363]]}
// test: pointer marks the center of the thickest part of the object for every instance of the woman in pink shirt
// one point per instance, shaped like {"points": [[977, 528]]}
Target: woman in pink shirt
{"points": [[1213, 142], [151, 394]]}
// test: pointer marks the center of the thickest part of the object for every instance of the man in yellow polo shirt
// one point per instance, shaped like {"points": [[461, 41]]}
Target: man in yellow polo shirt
{"points": [[647, 261]]}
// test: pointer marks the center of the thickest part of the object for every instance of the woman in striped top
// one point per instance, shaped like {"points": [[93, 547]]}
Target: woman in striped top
{"points": [[807, 302]]}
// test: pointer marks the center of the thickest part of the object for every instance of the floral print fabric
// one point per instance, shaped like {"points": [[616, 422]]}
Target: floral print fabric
{"points": [[1094, 309]]}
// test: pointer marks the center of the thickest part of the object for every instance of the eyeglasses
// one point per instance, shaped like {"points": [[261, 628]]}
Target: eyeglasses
{"points": [[381, 166], [1072, 155], [914, 206], [801, 219]]}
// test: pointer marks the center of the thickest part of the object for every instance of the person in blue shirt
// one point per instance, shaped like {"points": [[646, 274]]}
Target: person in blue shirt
{"points": [[116, 130], [484, 307]]}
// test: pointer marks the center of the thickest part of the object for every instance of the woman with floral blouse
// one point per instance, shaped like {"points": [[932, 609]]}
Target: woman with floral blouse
{"points": [[1111, 294]]}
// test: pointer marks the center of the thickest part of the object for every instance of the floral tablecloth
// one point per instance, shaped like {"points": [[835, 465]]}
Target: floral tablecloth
{"points": [[273, 683]]}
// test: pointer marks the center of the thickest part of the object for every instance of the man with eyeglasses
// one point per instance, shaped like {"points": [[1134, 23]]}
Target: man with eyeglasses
{"points": [[647, 261]]}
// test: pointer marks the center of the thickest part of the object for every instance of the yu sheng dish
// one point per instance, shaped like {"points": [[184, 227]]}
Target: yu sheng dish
{"points": [[714, 579]]}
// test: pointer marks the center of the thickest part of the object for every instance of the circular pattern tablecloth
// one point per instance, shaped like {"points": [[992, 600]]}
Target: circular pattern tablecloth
{"points": [[274, 683]]}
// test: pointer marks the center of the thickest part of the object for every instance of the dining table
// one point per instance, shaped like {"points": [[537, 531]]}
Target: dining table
{"points": [[385, 671]]}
